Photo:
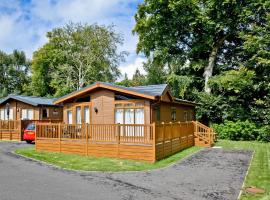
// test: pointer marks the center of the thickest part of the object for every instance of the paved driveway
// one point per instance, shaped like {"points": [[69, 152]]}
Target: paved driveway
{"points": [[208, 174]]}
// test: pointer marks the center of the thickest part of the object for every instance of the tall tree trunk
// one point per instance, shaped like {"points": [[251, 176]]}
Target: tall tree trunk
{"points": [[208, 70]]}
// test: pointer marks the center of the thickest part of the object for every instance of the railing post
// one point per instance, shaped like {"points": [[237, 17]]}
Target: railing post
{"points": [[154, 140], [163, 139], [86, 135], [0, 129], [10, 133], [59, 136]]}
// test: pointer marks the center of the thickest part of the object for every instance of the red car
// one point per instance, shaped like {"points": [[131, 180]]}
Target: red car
{"points": [[29, 133]]}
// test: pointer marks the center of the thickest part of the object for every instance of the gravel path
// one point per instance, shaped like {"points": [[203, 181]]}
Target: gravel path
{"points": [[208, 174]]}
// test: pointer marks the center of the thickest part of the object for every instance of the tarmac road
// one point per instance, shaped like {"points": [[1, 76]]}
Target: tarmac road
{"points": [[208, 174]]}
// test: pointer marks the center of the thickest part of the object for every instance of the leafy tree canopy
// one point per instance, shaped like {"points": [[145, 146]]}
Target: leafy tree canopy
{"points": [[75, 56]]}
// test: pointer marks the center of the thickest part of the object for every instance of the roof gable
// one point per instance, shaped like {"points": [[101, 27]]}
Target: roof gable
{"points": [[149, 92], [31, 100]]}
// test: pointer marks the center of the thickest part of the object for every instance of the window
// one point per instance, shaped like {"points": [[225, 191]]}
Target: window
{"points": [[190, 116], [157, 111], [2, 114], [55, 111], [6, 114], [173, 114], [185, 116], [45, 113], [130, 113], [27, 114], [69, 117], [78, 115], [86, 115]]}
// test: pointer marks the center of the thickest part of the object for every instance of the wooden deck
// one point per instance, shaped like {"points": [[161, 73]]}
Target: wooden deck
{"points": [[149, 142]]}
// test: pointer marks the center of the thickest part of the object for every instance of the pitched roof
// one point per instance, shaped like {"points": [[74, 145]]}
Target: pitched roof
{"points": [[149, 91], [32, 100]]}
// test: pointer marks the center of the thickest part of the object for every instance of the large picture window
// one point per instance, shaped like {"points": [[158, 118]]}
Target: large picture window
{"points": [[130, 113]]}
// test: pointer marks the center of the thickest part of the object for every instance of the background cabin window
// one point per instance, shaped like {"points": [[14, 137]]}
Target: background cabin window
{"points": [[190, 116], [4, 114], [28, 114], [173, 114], [55, 111], [157, 112], [45, 113], [185, 116], [86, 115], [78, 115]]}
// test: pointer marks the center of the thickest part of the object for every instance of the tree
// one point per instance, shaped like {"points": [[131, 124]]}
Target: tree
{"points": [[138, 78], [125, 82], [203, 33], [75, 56], [14, 73]]}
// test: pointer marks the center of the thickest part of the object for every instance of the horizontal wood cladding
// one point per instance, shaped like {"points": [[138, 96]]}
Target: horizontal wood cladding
{"points": [[132, 152]]}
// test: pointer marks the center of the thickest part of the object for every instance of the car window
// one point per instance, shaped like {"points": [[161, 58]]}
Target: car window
{"points": [[31, 127]]}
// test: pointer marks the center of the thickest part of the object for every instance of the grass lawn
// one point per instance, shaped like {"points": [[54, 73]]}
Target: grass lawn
{"points": [[77, 162], [259, 172]]}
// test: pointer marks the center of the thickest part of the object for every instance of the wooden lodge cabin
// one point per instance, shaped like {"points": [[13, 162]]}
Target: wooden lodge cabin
{"points": [[106, 103], [16, 111], [141, 123]]}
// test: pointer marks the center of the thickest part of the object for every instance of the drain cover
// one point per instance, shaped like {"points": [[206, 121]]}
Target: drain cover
{"points": [[254, 190]]}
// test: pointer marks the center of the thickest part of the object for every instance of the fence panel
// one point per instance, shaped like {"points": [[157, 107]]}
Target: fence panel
{"points": [[10, 130], [173, 137]]}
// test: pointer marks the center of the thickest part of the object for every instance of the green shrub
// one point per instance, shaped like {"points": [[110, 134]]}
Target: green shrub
{"points": [[264, 134], [239, 130]]}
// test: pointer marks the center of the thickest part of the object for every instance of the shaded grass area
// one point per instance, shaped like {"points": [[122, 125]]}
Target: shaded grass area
{"points": [[77, 162], [259, 172]]}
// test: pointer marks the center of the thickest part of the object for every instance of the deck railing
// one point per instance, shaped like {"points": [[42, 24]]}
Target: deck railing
{"points": [[10, 130], [98, 133], [204, 133]]}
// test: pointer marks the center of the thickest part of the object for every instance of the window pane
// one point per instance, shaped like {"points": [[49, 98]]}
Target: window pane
{"points": [[139, 104], [24, 114], [119, 116], [69, 116], [139, 116], [129, 105], [129, 116], [30, 114], [86, 115], [11, 113], [2, 114], [78, 115], [118, 105]]}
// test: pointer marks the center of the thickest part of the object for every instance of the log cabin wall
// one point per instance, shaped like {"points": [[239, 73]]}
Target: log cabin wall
{"points": [[17, 107], [104, 101], [55, 112], [183, 112]]}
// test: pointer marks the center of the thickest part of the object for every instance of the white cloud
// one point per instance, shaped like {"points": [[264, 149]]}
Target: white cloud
{"points": [[24, 25], [130, 68]]}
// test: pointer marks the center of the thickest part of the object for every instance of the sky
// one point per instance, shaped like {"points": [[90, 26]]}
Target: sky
{"points": [[24, 23]]}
